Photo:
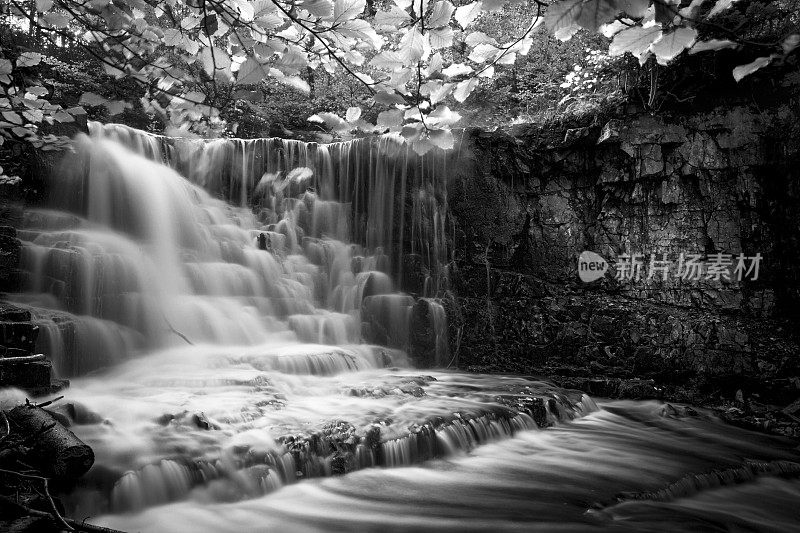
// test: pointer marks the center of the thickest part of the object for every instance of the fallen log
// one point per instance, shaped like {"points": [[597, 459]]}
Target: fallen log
{"points": [[54, 450]]}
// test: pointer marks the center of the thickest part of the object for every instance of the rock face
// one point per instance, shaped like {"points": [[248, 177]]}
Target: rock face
{"points": [[524, 205]]}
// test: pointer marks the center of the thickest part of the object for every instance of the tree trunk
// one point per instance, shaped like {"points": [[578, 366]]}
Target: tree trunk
{"points": [[55, 450]]}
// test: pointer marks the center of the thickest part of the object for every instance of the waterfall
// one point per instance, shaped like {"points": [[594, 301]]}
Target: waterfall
{"points": [[238, 319], [148, 242], [231, 315]]}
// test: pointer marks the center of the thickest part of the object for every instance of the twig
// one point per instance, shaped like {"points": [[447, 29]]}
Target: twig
{"points": [[56, 514], [7, 426], [44, 481], [49, 402], [176, 332]]}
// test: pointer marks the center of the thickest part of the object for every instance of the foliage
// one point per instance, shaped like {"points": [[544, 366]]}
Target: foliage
{"points": [[197, 62]]}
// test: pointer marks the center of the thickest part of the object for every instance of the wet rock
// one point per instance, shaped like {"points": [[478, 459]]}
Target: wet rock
{"points": [[611, 132], [70, 413], [18, 334], [10, 250], [636, 389], [201, 421]]}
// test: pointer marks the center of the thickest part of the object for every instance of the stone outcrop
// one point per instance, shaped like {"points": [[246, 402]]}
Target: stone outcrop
{"points": [[526, 203]]}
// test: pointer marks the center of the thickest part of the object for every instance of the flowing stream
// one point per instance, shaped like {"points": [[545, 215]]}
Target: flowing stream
{"points": [[242, 359]]}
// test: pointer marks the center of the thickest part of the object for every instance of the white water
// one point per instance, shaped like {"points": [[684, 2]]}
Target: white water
{"points": [[567, 478], [217, 381]]}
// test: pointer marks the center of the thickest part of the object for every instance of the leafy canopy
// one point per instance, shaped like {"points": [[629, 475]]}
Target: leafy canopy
{"points": [[189, 54]]}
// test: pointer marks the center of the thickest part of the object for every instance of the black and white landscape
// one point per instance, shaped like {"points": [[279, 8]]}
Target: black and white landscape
{"points": [[402, 265]]}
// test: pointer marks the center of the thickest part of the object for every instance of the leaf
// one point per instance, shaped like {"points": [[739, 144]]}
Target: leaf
{"points": [[43, 5], [54, 20], [390, 119], [478, 37], [214, 57], [790, 43], [173, 37], [567, 32], [263, 7], [388, 60], [443, 116], [422, 145], [523, 46], [91, 99], [493, 5], [464, 89], [412, 132], [466, 14], [413, 113], [482, 52], [251, 72], [435, 65], [290, 81], [63, 117], [442, 138], [293, 58], [742, 71], [12, 117], [412, 46], [191, 46], [37, 90], [719, 7], [331, 120], [360, 29], [610, 30], [589, 14], [318, 8], [33, 115], [387, 98], [190, 22], [5, 66], [355, 57], [393, 19], [400, 78], [195, 97], [457, 69], [347, 9], [430, 86], [29, 59], [634, 8], [21, 132], [353, 114], [440, 15], [665, 11], [113, 71], [712, 45], [636, 40], [672, 44], [689, 11], [246, 10], [507, 58], [209, 24], [441, 38], [442, 93]]}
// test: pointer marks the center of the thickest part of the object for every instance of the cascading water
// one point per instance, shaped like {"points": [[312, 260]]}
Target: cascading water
{"points": [[230, 315]]}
